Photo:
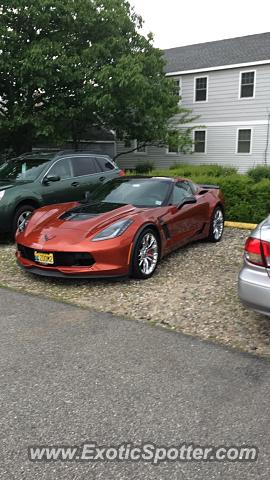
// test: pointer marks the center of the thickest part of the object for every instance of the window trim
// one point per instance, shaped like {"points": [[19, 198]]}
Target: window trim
{"points": [[137, 152], [240, 84], [205, 143], [194, 89], [251, 141]]}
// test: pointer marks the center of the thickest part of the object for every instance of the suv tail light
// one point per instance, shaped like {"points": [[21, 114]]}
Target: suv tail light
{"points": [[257, 252], [122, 173]]}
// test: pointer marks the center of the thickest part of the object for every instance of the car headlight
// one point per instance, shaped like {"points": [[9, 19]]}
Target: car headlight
{"points": [[114, 230], [2, 193]]}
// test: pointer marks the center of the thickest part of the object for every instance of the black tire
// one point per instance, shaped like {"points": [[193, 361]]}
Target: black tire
{"points": [[23, 210], [138, 269], [216, 226]]}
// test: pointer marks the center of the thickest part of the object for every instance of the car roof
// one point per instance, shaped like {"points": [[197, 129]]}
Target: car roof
{"points": [[146, 177], [156, 177]]}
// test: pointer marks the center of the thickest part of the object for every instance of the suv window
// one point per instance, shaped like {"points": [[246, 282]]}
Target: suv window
{"points": [[104, 164], [83, 166], [181, 191], [61, 169]]}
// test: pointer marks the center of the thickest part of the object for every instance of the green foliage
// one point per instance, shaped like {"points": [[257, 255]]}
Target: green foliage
{"points": [[188, 170], [67, 65], [246, 199], [259, 173], [144, 167]]}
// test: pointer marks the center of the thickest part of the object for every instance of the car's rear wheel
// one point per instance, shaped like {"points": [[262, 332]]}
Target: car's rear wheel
{"points": [[21, 214], [146, 254], [216, 226]]}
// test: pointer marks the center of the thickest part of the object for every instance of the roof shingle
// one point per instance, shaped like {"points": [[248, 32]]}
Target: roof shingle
{"points": [[252, 48]]}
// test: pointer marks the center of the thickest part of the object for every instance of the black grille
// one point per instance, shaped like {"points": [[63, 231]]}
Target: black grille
{"points": [[61, 259]]}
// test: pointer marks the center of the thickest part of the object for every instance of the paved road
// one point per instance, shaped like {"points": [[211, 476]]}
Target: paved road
{"points": [[69, 375]]}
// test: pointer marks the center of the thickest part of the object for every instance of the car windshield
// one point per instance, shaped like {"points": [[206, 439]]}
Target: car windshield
{"points": [[141, 192], [22, 169]]}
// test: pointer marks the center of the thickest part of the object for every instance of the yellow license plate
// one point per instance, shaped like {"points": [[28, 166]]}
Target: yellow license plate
{"points": [[44, 258]]}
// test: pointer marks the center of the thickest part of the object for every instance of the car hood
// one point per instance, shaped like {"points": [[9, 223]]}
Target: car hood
{"points": [[5, 184], [75, 222]]}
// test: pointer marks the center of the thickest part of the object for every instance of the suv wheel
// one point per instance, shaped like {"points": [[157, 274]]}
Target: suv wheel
{"points": [[20, 216]]}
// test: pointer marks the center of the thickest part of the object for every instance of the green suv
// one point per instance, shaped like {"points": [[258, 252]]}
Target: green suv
{"points": [[33, 180]]}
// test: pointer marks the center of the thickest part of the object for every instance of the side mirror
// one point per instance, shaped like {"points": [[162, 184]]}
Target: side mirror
{"points": [[51, 178], [187, 201]]}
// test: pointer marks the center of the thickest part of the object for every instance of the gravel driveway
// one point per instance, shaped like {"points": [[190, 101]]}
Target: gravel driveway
{"points": [[193, 291]]}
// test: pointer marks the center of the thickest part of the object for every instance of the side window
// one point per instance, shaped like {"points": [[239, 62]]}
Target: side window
{"points": [[83, 166], [61, 169], [189, 188], [180, 192], [104, 164]]}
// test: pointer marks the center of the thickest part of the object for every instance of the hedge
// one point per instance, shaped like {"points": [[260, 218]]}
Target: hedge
{"points": [[247, 197]]}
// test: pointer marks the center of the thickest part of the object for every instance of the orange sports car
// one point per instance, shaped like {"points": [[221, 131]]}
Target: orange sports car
{"points": [[123, 229]]}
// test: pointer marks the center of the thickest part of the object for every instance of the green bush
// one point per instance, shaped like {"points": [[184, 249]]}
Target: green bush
{"points": [[259, 173], [144, 167], [188, 170], [245, 200]]}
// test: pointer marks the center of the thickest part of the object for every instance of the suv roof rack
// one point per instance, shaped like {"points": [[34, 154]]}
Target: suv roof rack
{"points": [[80, 150]]}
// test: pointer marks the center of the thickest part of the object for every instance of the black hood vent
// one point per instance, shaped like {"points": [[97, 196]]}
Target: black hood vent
{"points": [[87, 211]]}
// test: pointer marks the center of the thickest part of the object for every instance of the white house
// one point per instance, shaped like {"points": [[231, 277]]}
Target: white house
{"points": [[227, 84]]}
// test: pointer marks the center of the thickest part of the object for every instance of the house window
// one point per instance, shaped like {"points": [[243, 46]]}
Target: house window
{"points": [[244, 141], [173, 146], [247, 84], [173, 149], [201, 89], [200, 141], [140, 147], [177, 88]]}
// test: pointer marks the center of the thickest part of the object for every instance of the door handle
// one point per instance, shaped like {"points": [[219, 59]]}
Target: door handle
{"points": [[75, 184], [102, 179]]}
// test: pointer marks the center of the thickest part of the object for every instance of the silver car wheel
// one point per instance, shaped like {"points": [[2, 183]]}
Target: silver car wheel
{"points": [[148, 254], [218, 224], [23, 217]]}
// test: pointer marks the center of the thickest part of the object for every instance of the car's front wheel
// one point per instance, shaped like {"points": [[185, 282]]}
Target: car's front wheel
{"points": [[216, 225], [21, 214], [146, 254]]}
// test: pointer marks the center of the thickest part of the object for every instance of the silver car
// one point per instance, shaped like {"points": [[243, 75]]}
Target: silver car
{"points": [[254, 278]]}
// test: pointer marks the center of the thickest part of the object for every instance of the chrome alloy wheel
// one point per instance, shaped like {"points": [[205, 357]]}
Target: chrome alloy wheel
{"points": [[148, 254], [218, 224], [22, 218]]}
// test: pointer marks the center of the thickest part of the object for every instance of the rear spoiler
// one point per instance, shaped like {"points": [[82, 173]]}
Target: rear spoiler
{"points": [[208, 187]]}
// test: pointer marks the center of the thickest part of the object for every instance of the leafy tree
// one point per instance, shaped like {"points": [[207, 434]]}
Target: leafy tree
{"points": [[69, 64]]}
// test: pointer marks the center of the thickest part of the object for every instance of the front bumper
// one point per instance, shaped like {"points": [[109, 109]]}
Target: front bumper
{"points": [[110, 261], [254, 288]]}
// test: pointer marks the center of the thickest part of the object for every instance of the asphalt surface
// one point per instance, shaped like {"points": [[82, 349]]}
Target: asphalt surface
{"points": [[69, 376]]}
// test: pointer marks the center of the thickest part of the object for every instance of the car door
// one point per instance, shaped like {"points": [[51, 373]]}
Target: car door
{"points": [[185, 221], [62, 190], [86, 174]]}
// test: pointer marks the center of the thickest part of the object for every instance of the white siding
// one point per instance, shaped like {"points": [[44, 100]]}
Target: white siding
{"points": [[223, 102], [222, 115]]}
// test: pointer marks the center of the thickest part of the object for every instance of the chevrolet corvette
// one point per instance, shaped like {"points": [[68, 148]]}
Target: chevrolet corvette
{"points": [[123, 228]]}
